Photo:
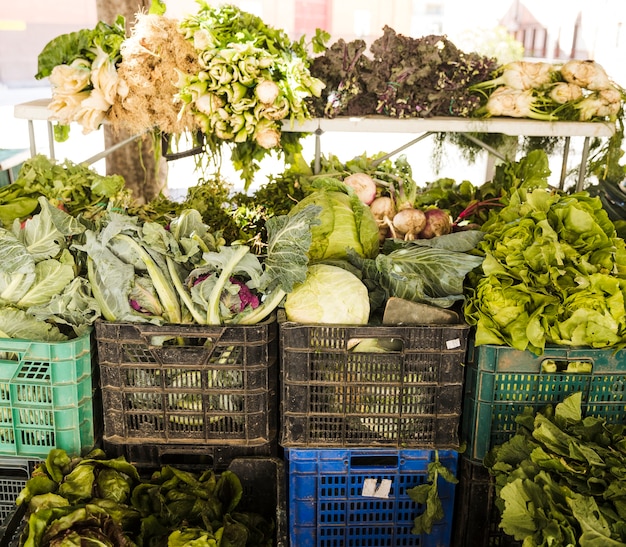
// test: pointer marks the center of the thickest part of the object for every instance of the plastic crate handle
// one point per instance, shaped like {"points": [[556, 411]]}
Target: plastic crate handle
{"points": [[565, 365], [368, 461]]}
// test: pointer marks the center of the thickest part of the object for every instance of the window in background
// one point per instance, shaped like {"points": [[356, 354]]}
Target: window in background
{"points": [[311, 15], [362, 22], [427, 18]]}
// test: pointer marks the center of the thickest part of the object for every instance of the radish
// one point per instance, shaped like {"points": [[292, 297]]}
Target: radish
{"points": [[363, 185], [409, 223], [438, 223]]}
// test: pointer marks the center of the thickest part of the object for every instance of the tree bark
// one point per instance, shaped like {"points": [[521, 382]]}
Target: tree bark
{"points": [[144, 171]]}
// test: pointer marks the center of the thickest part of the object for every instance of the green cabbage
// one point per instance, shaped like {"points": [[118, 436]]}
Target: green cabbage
{"points": [[346, 223], [329, 295]]}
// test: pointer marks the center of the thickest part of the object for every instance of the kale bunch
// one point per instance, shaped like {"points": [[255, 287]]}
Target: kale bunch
{"points": [[341, 68], [403, 77]]}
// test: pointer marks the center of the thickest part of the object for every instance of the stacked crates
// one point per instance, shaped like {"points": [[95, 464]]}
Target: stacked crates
{"points": [[174, 393], [46, 402], [502, 382], [360, 428]]}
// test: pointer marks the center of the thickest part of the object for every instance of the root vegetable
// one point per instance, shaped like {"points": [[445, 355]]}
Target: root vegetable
{"points": [[384, 209], [438, 223], [363, 185], [409, 223]]}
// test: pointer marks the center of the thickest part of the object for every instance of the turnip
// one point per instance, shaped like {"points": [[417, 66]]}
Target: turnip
{"points": [[363, 185], [384, 209], [438, 223], [409, 223]]}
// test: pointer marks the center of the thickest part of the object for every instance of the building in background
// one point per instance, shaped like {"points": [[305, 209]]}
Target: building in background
{"points": [[558, 29]]}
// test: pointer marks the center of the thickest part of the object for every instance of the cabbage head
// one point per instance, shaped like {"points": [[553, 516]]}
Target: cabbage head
{"points": [[329, 295], [345, 223]]}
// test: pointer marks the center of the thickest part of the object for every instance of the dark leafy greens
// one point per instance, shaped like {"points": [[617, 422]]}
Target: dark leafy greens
{"points": [[560, 479], [403, 77], [93, 500]]}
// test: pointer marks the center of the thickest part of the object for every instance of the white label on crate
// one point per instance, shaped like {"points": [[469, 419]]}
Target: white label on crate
{"points": [[452, 344], [372, 489]]}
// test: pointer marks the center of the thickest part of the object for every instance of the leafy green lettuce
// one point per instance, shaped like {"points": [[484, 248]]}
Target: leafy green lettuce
{"points": [[553, 273]]}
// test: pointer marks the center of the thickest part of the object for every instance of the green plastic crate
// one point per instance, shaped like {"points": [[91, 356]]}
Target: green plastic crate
{"points": [[501, 382], [45, 396]]}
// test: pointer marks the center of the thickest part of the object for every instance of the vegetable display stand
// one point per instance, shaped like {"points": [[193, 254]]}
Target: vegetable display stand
{"points": [[358, 497], [476, 518], [46, 396], [409, 397], [501, 382], [191, 385]]}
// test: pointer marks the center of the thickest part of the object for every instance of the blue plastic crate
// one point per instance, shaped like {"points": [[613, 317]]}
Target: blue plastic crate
{"points": [[327, 507]]}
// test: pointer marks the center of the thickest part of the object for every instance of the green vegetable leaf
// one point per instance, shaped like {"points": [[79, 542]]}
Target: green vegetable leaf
{"points": [[422, 274]]}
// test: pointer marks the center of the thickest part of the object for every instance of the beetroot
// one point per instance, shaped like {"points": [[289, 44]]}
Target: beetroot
{"points": [[438, 223]]}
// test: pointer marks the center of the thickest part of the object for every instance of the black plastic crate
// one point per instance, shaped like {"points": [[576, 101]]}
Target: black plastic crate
{"points": [[264, 492], [218, 457], [476, 517], [409, 397], [189, 384], [14, 472]]}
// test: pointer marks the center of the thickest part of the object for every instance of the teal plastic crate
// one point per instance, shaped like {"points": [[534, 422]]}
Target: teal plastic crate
{"points": [[501, 382], [46, 396], [329, 505]]}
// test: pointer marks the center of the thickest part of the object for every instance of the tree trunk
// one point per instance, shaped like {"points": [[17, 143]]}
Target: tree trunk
{"points": [[137, 162]]}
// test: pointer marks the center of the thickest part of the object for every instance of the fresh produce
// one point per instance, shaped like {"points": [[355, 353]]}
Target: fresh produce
{"points": [[559, 480], [553, 273], [76, 188], [345, 222], [430, 271], [93, 500], [42, 295], [329, 295], [81, 66], [403, 77], [427, 495], [144, 272], [575, 90], [251, 77]]}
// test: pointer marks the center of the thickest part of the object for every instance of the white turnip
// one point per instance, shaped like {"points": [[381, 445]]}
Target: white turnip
{"points": [[409, 223], [438, 223], [384, 209], [363, 185]]}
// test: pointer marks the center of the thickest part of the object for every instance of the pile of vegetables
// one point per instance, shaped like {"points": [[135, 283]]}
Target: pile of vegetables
{"points": [[560, 480], [251, 77], [553, 273], [145, 272], [575, 90], [81, 67], [42, 294], [93, 500], [403, 77], [220, 76]]}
